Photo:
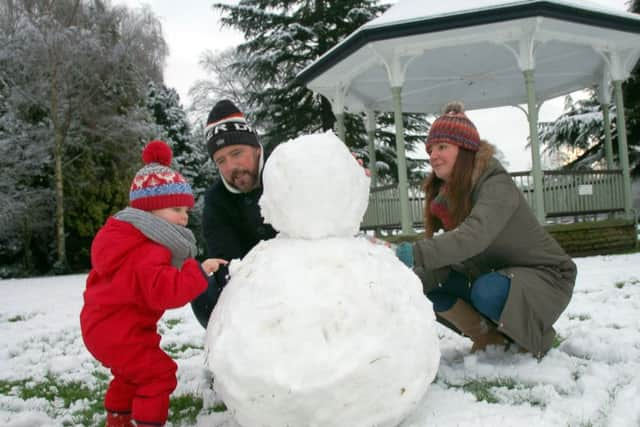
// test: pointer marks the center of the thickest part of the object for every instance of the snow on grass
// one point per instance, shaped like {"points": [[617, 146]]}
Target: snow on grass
{"points": [[590, 378]]}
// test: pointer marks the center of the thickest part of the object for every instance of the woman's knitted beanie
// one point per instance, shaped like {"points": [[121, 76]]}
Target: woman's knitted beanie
{"points": [[454, 127]]}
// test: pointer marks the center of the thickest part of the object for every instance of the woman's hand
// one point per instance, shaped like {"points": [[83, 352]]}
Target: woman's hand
{"points": [[404, 252], [361, 163]]}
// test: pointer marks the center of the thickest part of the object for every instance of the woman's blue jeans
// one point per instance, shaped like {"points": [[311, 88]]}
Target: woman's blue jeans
{"points": [[487, 294]]}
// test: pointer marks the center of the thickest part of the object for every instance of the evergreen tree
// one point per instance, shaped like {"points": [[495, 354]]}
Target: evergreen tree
{"points": [[282, 38], [189, 150], [581, 125], [190, 155]]}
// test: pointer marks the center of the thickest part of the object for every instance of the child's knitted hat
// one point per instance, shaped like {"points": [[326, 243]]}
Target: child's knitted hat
{"points": [[156, 185], [454, 127]]}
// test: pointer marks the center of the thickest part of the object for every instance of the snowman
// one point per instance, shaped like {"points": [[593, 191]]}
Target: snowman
{"points": [[317, 327]]}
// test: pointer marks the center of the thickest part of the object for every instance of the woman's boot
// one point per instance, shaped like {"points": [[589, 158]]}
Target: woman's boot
{"points": [[472, 324]]}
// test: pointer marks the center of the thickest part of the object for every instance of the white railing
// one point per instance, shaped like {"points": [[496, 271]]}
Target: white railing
{"points": [[568, 195]]}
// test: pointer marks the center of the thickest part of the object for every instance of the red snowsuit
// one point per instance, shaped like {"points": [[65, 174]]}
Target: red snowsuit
{"points": [[131, 284]]}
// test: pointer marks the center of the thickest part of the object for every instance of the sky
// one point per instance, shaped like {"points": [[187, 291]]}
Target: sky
{"points": [[190, 27], [591, 379]]}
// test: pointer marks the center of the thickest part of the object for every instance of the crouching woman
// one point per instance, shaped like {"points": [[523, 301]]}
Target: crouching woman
{"points": [[494, 274]]}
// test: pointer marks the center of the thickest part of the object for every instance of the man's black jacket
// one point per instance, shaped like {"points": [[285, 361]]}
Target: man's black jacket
{"points": [[232, 225]]}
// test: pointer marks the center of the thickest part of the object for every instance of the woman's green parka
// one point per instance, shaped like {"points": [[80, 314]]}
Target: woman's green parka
{"points": [[502, 234]]}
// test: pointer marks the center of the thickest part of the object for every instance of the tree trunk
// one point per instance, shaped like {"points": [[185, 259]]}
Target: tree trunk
{"points": [[60, 239], [58, 134], [27, 235]]}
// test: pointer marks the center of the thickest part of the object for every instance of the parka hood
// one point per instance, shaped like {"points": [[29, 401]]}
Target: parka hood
{"points": [[484, 161], [113, 243]]}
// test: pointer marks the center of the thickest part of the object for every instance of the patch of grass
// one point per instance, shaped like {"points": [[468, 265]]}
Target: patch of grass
{"points": [[62, 395], [219, 407], [581, 317], [172, 323], [51, 389], [5, 387], [18, 318], [482, 389], [184, 409], [95, 407], [557, 340], [176, 351], [621, 284]]}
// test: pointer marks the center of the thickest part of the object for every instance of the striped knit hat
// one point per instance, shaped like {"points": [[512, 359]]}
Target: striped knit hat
{"points": [[454, 127], [226, 125], [156, 185]]}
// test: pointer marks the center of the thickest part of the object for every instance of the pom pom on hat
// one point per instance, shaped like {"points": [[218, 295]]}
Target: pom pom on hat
{"points": [[454, 127], [158, 152], [454, 107], [226, 125], [156, 185]]}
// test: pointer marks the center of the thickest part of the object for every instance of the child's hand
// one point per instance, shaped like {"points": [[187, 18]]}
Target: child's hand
{"points": [[211, 265]]}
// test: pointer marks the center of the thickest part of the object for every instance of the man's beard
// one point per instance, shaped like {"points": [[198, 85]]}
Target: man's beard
{"points": [[244, 180]]}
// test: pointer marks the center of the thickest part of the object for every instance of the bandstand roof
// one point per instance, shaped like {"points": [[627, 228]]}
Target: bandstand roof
{"points": [[475, 51]]}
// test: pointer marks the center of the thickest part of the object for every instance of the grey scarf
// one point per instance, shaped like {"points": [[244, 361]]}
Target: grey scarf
{"points": [[179, 240]]}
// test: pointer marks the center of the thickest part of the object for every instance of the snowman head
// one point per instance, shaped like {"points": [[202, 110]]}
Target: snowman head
{"points": [[314, 188]]}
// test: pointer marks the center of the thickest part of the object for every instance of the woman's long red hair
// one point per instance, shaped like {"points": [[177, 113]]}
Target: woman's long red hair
{"points": [[457, 195]]}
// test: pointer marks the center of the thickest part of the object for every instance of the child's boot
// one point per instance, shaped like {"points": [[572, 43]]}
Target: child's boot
{"points": [[119, 419]]}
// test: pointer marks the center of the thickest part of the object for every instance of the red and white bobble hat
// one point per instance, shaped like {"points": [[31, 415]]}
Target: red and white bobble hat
{"points": [[156, 185]]}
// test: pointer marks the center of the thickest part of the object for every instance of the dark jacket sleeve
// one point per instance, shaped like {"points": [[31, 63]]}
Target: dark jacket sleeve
{"points": [[232, 225], [430, 278], [221, 238]]}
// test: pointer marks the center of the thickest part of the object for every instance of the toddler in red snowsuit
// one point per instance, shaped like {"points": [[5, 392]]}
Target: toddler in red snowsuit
{"points": [[142, 264]]}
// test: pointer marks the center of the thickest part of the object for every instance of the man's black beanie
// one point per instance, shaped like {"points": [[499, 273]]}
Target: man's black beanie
{"points": [[226, 126]]}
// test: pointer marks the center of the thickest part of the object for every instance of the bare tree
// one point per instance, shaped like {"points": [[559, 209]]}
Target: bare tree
{"points": [[224, 83], [70, 64]]}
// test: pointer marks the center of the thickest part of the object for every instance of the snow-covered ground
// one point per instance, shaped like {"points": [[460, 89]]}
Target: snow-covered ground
{"points": [[592, 377]]}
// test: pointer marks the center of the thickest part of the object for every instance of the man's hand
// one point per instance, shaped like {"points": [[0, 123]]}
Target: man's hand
{"points": [[404, 252], [361, 163], [211, 265]]}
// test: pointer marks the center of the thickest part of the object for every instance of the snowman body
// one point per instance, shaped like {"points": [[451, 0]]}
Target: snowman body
{"points": [[316, 327]]}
